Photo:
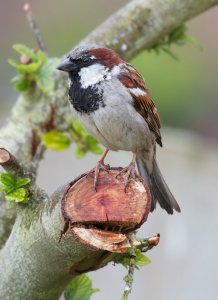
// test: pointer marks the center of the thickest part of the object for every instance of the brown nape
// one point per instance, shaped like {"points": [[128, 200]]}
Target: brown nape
{"points": [[106, 56]]}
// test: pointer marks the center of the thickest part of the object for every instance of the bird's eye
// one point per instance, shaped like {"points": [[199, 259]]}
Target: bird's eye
{"points": [[85, 59]]}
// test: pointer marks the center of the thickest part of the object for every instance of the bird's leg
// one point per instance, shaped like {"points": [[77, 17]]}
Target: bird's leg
{"points": [[129, 170], [100, 165]]}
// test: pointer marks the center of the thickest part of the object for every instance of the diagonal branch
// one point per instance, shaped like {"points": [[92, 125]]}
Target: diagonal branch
{"points": [[141, 24]]}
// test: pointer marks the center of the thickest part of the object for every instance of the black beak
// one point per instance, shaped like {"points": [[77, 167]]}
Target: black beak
{"points": [[66, 65]]}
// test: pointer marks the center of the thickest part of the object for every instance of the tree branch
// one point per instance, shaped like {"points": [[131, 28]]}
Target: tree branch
{"points": [[39, 262], [35, 28], [141, 24], [10, 164], [37, 265], [137, 26]]}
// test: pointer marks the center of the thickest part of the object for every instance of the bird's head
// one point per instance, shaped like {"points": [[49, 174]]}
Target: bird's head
{"points": [[91, 62]]}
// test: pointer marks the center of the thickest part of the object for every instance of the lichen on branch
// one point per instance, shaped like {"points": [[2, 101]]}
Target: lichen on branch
{"points": [[33, 246]]}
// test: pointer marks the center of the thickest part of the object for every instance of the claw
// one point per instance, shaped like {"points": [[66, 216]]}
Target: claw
{"points": [[130, 171], [100, 166]]}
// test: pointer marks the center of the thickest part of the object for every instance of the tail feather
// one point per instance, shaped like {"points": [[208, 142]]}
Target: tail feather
{"points": [[159, 189]]}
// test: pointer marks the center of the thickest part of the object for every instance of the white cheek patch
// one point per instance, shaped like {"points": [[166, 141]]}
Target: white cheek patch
{"points": [[137, 92], [93, 74]]}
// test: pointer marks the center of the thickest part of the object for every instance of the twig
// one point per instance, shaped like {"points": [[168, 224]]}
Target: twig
{"points": [[35, 28], [146, 244], [10, 164], [132, 264], [149, 243]]}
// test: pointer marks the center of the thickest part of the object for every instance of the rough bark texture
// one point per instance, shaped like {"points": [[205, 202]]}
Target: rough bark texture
{"points": [[142, 23], [34, 264]]}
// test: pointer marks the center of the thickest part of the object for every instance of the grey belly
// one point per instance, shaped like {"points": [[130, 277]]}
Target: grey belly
{"points": [[119, 129]]}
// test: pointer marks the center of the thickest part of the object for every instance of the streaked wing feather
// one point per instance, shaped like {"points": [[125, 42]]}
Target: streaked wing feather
{"points": [[143, 101]]}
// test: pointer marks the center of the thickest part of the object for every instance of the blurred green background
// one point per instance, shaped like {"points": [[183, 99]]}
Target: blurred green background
{"points": [[184, 266], [184, 91]]}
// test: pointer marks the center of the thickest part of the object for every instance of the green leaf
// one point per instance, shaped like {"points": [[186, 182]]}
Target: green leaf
{"points": [[57, 141], [128, 279], [169, 52], [178, 33], [190, 39], [22, 182], [44, 77], [13, 63], [8, 180], [7, 183], [22, 49], [90, 141], [80, 288], [32, 67], [96, 150], [41, 57], [141, 260], [50, 65], [124, 261], [45, 82], [178, 37], [93, 145], [80, 152], [19, 195], [12, 188], [39, 70], [77, 127], [5, 189], [22, 85]]}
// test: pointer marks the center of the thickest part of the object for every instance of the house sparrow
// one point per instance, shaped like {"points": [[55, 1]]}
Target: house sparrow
{"points": [[112, 102]]}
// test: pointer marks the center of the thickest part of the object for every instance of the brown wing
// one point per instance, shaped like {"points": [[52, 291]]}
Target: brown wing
{"points": [[143, 101]]}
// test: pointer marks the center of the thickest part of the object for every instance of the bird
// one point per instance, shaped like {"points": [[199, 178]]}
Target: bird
{"points": [[110, 99]]}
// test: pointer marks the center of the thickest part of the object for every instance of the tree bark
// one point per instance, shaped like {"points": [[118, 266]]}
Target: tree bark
{"points": [[39, 259], [141, 24], [33, 264]]}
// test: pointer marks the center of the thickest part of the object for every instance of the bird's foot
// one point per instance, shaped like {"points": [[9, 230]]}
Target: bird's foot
{"points": [[99, 166], [130, 174]]}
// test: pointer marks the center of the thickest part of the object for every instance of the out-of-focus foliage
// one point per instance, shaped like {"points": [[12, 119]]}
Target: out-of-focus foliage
{"points": [[85, 143], [59, 141], [56, 141], [177, 87], [34, 69], [177, 37]]}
